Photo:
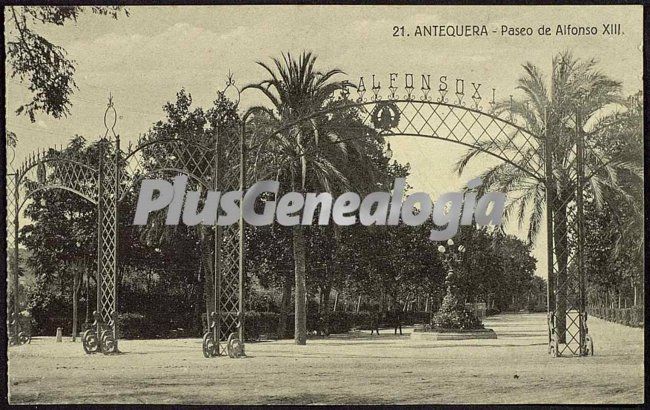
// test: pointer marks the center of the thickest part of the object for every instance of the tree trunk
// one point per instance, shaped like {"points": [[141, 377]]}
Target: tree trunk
{"points": [[196, 314], [76, 285], [326, 297], [87, 321], [299, 256]]}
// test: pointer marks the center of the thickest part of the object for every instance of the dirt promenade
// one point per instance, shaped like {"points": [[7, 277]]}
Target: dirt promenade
{"points": [[342, 369]]}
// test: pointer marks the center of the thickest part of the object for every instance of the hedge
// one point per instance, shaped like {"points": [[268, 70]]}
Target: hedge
{"points": [[257, 324], [633, 316], [491, 312], [138, 326], [265, 324]]}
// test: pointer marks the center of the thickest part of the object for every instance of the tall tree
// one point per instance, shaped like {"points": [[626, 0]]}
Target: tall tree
{"points": [[549, 109], [308, 153]]}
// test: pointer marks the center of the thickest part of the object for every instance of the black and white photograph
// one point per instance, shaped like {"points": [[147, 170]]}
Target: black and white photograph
{"points": [[324, 204]]}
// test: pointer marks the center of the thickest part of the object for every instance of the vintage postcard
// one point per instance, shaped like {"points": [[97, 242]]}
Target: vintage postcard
{"points": [[324, 204]]}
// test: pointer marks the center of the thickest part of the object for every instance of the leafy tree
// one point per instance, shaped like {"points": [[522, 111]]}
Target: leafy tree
{"points": [[42, 64], [193, 246], [614, 251]]}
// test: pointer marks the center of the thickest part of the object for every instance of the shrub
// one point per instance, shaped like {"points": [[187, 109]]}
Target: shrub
{"points": [[339, 322], [361, 320], [135, 326], [258, 324], [252, 325]]}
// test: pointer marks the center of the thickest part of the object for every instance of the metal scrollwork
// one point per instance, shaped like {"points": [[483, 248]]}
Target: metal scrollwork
{"points": [[15, 333], [235, 348], [231, 92], [24, 338], [110, 118], [108, 341], [100, 337], [210, 343], [89, 340]]}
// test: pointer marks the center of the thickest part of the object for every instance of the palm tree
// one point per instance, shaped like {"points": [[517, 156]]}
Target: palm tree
{"points": [[309, 154], [549, 108]]}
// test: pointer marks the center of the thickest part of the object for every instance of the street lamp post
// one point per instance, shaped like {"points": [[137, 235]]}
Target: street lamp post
{"points": [[451, 257], [452, 313]]}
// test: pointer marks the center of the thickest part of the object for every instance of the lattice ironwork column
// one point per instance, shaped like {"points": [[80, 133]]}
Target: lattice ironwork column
{"points": [[228, 254], [107, 231], [567, 316], [218, 238], [226, 322], [13, 305], [242, 187], [212, 338]]}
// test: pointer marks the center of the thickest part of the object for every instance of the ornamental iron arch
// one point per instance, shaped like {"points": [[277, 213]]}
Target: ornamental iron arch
{"points": [[226, 166]]}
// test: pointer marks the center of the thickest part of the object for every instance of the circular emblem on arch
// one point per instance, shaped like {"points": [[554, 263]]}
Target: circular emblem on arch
{"points": [[385, 116], [40, 173]]}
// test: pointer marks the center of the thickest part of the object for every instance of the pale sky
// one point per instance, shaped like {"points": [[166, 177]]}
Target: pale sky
{"points": [[143, 60]]}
